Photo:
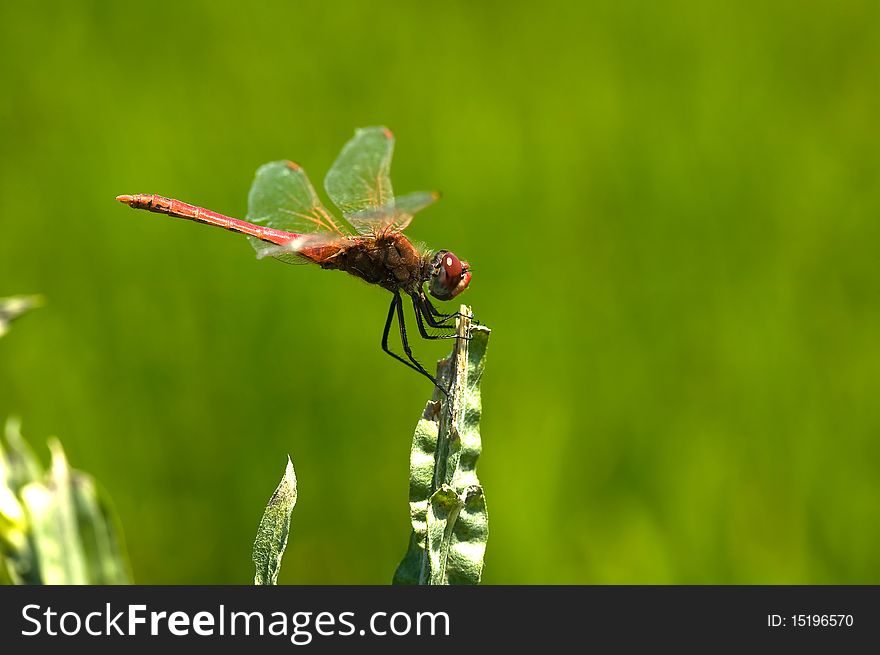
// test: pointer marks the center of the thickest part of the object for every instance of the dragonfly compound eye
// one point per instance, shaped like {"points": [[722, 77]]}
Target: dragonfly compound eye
{"points": [[450, 276], [451, 265]]}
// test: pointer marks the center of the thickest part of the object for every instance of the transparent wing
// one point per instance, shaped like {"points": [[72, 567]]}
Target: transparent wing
{"points": [[405, 207], [395, 216], [293, 251], [415, 202], [282, 198], [359, 182]]}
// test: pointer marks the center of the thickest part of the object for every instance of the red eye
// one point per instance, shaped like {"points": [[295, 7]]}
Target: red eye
{"points": [[452, 265], [449, 276]]}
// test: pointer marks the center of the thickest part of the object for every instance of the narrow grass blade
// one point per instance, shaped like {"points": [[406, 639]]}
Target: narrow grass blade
{"points": [[52, 512], [16, 552], [100, 532], [20, 464], [447, 507], [274, 527]]}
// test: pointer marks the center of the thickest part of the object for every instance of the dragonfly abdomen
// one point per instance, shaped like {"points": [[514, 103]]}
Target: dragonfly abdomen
{"points": [[171, 207]]}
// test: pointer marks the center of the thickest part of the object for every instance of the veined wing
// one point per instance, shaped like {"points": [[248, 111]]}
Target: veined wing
{"points": [[395, 216], [282, 198], [359, 182], [295, 251], [405, 207]]}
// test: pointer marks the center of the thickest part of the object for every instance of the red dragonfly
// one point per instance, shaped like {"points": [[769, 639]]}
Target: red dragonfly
{"points": [[287, 221]]}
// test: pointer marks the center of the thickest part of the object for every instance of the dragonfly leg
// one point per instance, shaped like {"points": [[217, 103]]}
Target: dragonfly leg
{"points": [[422, 317], [431, 313], [398, 301], [397, 307], [434, 313], [391, 312], [424, 309]]}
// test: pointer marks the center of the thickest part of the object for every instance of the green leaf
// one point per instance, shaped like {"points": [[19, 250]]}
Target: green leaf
{"points": [[274, 527], [100, 532], [56, 527], [13, 307], [52, 511], [18, 467], [447, 507], [467, 544]]}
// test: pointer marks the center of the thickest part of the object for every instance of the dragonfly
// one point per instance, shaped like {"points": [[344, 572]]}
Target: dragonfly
{"points": [[288, 221]]}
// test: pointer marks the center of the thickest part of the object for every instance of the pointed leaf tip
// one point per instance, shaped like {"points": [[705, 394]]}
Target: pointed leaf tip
{"points": [[271, 539]]}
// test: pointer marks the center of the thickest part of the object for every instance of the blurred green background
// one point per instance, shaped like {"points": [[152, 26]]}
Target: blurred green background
{"points": [[671, 210]]}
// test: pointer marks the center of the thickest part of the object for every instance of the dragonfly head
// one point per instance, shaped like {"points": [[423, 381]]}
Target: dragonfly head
{"points": [[449, 276]]}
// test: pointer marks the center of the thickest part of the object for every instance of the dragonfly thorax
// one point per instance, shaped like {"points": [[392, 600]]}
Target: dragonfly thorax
{"points": [[389, 260]]}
